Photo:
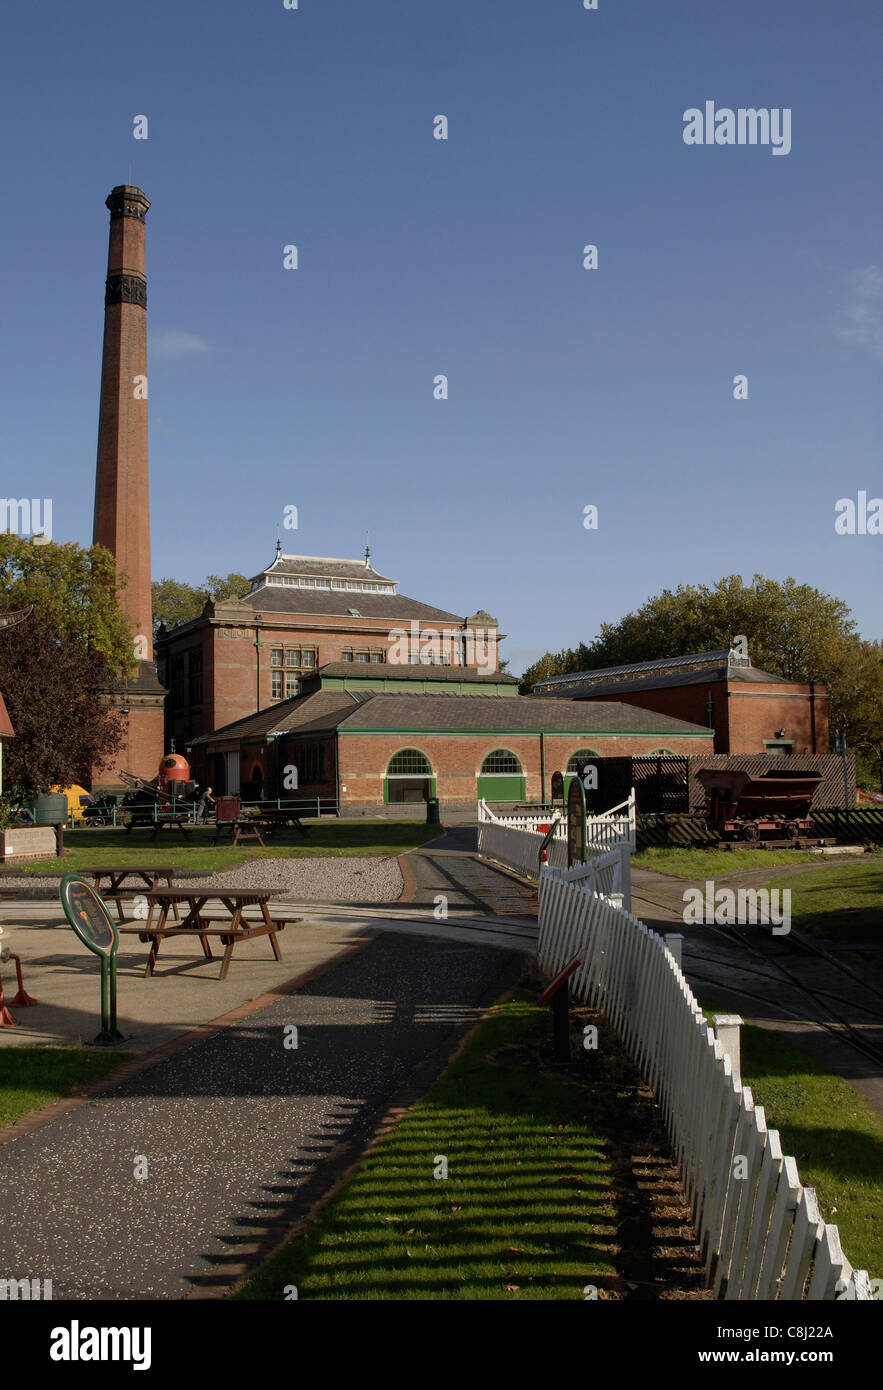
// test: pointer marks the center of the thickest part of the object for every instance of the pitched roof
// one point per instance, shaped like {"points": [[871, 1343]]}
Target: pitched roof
{"points": [[657, 675], [459, 713], [325, 567], [392, 608], [327, 710], [706, 676], [284, 717]]}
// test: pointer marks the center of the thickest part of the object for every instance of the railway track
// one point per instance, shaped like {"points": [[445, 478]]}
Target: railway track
{"points": [[823, 1015]]}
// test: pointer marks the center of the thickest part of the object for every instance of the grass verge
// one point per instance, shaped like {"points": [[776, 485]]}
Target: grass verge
{"points": [[556, 1180], [523, 1212], [86, 849], [715, 863], [34, 1076], [836, 899], [831, 1131]]}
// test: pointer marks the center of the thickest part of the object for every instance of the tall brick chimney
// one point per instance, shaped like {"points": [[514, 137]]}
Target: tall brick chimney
{"points": [[122, 494]]}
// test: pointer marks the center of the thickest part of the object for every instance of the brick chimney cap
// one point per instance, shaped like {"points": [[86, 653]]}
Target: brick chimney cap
{"points": [[127, 200]]}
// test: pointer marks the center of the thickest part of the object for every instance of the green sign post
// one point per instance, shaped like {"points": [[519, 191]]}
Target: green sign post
{"points": [[576, 823], [90, 920]]}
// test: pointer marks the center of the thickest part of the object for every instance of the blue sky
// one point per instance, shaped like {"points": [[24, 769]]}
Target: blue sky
{"points": [[567, 387]]}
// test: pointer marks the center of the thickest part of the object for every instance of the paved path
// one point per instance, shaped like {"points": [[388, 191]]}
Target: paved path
{"points": [[234, 1126], [450, 866]]}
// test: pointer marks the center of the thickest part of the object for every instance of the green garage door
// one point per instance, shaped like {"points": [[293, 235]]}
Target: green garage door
{"points": [[501, 777]]}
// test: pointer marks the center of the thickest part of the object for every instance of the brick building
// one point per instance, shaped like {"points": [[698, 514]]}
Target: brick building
{"points": [[247, 655], [751, 711], [369, 742]]}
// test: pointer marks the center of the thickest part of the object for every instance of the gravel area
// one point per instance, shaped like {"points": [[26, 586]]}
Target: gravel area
{"points": [[361, 878]]}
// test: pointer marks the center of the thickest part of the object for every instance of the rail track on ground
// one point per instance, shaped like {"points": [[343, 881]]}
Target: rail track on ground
{"points": [[822, 1015]]}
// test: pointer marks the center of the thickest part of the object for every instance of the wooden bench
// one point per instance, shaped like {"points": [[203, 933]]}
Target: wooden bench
{"points": [[231, 928]]}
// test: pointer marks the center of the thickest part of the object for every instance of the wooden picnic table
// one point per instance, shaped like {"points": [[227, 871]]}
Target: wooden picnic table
{"points": [[231, 929], [144, 876], [179, 821], [250, 827]]}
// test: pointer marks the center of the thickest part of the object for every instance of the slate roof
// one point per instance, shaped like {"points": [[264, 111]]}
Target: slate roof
{"points": [[662, 663], [699, 668], [286, 716], [325, 567], [707, 676], [396, 609], [327, 710], [515, 714]]}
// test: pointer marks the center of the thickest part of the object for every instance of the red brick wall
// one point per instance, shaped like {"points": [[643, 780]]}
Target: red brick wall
{"points": [[142, 748], [758, 711], [456, 759], [744, 713], [230, 688]]}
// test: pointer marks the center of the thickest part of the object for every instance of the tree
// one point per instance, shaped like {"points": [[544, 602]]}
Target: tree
{"points": [[176, 602], [74, 594], [791, 629], [54, 690], [859, 705]]}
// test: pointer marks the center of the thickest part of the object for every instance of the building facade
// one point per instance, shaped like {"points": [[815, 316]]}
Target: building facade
{"points": [[750, 711], [245, 655], [368, 748]]}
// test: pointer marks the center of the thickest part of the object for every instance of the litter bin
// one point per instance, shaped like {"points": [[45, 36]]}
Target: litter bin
{"points": [[50, 809], [432, 816]]}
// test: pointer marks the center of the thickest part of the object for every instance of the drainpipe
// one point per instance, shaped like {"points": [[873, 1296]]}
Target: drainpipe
{"points": [[257, 643], [543, 769], [812, 714]]}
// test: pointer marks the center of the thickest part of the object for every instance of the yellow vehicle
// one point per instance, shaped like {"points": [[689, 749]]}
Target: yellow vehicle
{"points": [[74, 805]]}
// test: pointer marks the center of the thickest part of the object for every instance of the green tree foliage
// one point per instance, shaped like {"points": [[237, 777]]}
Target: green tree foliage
{"points": [[791, 629], [74, 594], [177, 602]]}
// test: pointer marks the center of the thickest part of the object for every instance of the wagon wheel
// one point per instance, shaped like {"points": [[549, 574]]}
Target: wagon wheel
{"points": [[751, 830], [792, 830]]}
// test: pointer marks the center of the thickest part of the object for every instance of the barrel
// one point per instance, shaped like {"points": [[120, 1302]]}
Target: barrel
{"points": [[50, 809]]}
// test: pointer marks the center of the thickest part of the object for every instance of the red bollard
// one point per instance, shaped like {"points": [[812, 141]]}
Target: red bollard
{"points": [[22, 1000], [6, 1019]]}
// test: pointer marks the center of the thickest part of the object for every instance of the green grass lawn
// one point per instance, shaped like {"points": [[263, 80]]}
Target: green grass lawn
{"points": [[86, 849], [34, 1076], [834, 1135], [836, 899], [523, 1214], [715, 863]]}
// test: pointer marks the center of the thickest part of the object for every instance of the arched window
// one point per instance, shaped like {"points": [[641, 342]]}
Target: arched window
{"points": [[661, 753], [577, 761], [409, 762], [501, 763]]}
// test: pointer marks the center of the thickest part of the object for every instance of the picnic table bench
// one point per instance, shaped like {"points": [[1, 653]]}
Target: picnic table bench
{"points": [[231, 929], [143, 876], [180, 820], [250, 827]]}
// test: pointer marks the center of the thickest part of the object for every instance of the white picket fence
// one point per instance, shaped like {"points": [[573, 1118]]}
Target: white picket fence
{"points": [[514, 841], [759, 1228]]}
